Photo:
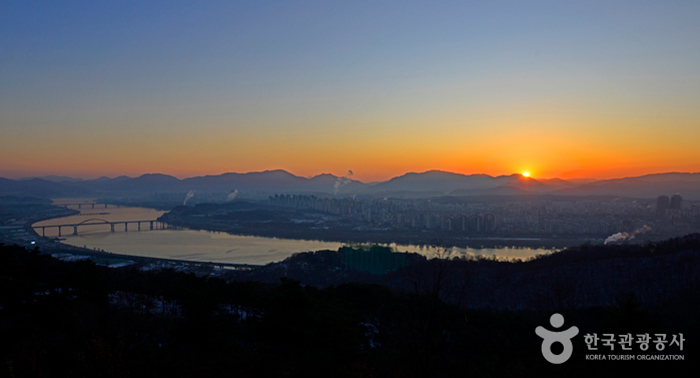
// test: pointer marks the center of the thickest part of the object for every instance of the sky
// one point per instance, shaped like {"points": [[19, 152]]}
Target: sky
{"points": [[569, 89]]}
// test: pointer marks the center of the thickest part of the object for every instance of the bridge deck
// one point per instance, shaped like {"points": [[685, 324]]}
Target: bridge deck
{"points": [[153, 223]]}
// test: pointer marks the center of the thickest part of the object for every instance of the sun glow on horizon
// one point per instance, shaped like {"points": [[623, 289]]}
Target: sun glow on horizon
{"points": [[526, 174]]}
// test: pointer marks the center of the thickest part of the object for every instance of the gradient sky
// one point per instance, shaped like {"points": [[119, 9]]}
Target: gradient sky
{"points": [[558, 88]]}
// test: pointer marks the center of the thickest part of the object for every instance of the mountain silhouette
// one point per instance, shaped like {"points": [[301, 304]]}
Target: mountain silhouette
{"points": [[411, 185]]}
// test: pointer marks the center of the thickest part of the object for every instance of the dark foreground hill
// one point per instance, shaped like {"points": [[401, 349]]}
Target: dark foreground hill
{"points": [[578, 277], [376, 316]]}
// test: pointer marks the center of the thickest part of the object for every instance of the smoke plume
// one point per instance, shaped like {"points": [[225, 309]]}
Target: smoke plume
{"points": [[232, 195], [188, 196], [341, 182], [622, 236]]}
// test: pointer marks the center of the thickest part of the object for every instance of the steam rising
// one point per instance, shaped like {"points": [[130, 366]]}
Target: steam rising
{"points": [[622, 236], [188, 196], [232, 195], [342, 181]]}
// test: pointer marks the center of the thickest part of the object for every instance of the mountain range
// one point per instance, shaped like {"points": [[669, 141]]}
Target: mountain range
{"points": [[410, 185]]}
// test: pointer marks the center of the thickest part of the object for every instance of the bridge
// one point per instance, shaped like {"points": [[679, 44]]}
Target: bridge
{"points": [[81, 204], [152, 224]]}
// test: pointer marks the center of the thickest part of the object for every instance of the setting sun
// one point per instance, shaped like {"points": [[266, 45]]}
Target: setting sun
{"points": [[526, 174]]}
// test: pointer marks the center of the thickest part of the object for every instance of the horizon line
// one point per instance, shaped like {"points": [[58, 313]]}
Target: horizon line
{"points": [[180, 177]]}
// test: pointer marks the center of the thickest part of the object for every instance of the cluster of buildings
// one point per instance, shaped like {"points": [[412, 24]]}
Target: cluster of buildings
{"points": [[672, 206], [506, 217]]}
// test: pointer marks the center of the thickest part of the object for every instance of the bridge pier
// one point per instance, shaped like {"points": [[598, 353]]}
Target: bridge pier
{"points": [[140, 224], [79, 206], [93, 205]]}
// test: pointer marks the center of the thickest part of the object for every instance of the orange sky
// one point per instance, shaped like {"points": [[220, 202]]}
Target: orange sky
{"points": [[550, 139], [573, 90], [376, 152]]}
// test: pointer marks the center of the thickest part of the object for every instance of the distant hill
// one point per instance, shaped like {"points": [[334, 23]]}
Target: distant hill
{"points": [[433, 181], [647, 186], [262, 183], [253, 181], [42, 188], [53, 178], [448, 183], [410, 185], [276, 181]]}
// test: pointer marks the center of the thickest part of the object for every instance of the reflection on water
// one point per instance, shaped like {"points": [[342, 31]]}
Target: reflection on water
{"points": [[212, 246], [200, 246]]}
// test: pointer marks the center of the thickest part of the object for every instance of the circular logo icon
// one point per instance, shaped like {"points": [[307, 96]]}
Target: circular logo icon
{"points": [[551, 337]]}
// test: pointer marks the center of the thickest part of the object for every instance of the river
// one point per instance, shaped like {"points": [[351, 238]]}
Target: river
{"points": [[195, 245]]}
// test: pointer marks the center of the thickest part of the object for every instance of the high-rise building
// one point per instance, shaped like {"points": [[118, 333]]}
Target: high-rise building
{"points": [[662, 204], [676, 201]]}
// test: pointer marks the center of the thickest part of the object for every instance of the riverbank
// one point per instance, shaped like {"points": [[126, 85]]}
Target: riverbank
{"points": [[237, 248], [54, 247], [374, 235], [21, 213]]}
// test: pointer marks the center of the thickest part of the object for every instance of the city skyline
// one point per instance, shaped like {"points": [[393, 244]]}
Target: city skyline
{"points": [[597, 90]]}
